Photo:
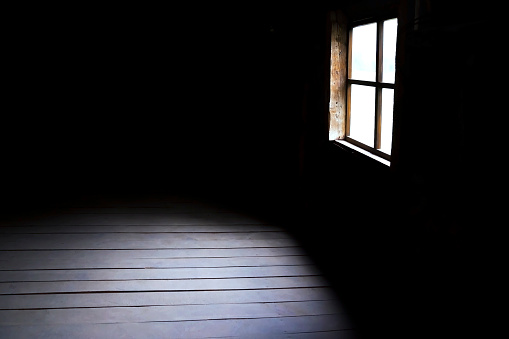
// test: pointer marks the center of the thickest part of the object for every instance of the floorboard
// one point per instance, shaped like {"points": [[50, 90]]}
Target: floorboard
{"points": [[166, 313], [148, 253], [86, 263], [283, 327], [175, 268], [78, 242], [160, 285], [137, 299], [112, 274], [66, 229]]}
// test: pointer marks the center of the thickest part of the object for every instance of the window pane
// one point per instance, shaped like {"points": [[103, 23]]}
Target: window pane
{"points": [[387, 109], [362, 114], [389, 50], [364, 52]]}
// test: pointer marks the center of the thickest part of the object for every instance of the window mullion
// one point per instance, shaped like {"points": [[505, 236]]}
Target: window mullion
{"points": [[348, 86], [379, 50], [378, 117], [378, 98], [348, 106]]}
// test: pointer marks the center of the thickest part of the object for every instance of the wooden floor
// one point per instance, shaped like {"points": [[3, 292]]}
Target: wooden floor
{"points": [[171, 268]]}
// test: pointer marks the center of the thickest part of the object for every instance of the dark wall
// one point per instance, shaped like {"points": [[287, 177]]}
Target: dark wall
{"points": [[121, 99]]}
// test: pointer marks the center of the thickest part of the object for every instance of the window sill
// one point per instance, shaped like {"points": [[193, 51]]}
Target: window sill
{"points": [[351, 147]]}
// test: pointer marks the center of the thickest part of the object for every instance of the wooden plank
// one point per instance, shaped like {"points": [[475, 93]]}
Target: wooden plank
{"points": [[142, 219], [160, 285], [264, 327], [151, 253], [51, 301], [185, 235], [174, 236], [87, 241], [166, 313], [163, 237], [151, 273], [107, 263], [139, 229]]}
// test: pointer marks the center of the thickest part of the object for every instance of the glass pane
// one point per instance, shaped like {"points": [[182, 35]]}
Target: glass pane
{"points": [[362, 114], [389, 50], [387, 110], [364, 52]]}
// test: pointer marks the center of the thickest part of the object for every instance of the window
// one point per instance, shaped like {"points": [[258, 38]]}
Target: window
{"points": [[370, 86], [362, 84]]}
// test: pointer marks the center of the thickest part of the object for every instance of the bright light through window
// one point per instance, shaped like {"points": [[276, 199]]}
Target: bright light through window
{"points": [[364, 52], [389, 50], [387, 108], [362, 114], [371, 82]]}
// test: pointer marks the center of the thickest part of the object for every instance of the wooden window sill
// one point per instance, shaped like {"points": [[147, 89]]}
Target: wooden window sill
{"points": [[351, 147]]}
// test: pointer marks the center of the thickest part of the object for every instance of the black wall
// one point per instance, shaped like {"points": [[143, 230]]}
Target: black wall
{"points": [[127, 98]]}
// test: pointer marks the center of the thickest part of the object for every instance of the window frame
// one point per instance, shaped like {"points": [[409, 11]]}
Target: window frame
{"points": [[377, 84]]}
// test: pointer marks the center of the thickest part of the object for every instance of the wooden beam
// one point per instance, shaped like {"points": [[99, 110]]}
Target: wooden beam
{"points": [[338, 76]]}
